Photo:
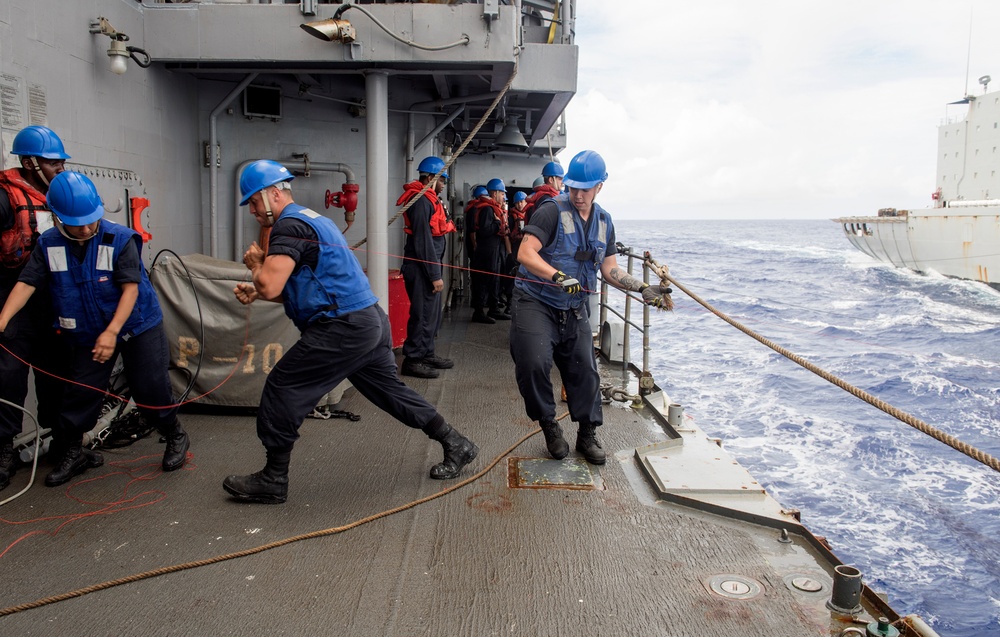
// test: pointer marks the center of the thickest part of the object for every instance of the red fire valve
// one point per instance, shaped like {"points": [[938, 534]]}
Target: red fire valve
{"points": [[137, 206], [346, 199]]}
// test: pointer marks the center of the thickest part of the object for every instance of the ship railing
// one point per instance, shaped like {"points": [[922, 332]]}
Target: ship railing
{"points": [[606, 330], [972, 203]]}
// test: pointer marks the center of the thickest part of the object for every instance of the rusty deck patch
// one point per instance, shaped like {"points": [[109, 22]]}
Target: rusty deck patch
{"points": [[543, 473]]}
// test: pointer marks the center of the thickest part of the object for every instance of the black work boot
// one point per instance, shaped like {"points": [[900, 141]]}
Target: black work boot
{"points": [[478, 316], [458, 452], [8, 462], [74, 462], [417, 368], [438, 362], [267, 486], [587, 444], [94, 458], [175, 455], [554, 441], [498, 315]]}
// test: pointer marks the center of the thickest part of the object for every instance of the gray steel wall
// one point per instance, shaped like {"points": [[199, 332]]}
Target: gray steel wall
{"points": [[136, 131]]}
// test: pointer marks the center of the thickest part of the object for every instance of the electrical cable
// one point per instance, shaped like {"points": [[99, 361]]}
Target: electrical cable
{"points": [[38, 451], [465, 38], [201, 319], [133, 50]]}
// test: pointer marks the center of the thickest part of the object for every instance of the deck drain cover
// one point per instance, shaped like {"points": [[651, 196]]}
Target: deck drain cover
{"points": [[734, 586], [807, 583], [537, 473]]}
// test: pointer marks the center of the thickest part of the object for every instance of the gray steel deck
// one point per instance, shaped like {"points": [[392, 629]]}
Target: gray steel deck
{"points": [[486, 559]]}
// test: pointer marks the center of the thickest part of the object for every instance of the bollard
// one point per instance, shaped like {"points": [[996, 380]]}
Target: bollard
{"points": [[846, 596], [675, 415]]}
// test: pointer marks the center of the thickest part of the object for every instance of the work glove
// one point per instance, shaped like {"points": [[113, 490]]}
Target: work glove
{"points": [[657, 296], [569, 285]]}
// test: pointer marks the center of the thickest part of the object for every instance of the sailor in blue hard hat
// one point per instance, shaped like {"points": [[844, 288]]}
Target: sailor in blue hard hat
{"points": [[492, 243], [104, 306], [544, 188], [568, 241], [310, 269], [425, 225], [257, 176], [515, 225], [42, 149], [479, 193], [28, 340]]}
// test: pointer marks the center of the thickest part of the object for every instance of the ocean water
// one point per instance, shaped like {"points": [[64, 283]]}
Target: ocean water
{"points": [[918, 518]]}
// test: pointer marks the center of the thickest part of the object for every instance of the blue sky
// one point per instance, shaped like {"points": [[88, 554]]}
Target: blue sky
{"points": [[773, 109]]}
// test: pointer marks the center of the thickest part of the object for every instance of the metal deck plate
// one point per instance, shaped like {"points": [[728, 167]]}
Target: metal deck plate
{"points": [[697, 468], [539, 473]]}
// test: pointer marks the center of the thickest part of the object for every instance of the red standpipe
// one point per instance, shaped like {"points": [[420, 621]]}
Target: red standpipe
{"points": [[346, 199], [136, 206]]}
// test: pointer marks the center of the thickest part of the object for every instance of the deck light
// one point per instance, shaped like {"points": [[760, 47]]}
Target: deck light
{"points": [[331, 30], [510, 134], [118, 56], [118, 52]]}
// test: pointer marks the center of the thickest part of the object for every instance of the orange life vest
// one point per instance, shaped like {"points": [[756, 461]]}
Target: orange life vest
{"points": [[498, 213], [440, 223], [516, 222], [17, 242], [544, 191]]}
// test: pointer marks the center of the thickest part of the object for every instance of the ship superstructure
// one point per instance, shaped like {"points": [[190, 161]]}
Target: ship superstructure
{"points": [[166, 101], [960, 235]]}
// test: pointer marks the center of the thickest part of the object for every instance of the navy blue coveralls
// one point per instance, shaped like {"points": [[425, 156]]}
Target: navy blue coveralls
{"points": [[29, 337], [487, 260], [422, 255], [345, 334], [550, 326], [85, 286]]}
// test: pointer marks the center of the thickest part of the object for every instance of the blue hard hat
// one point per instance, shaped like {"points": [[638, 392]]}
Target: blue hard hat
{"points": [[479, 191], [431, 165], [553, 169], [495, 184], [38, 141], [74, 200], [586, 170], [259, 175], [519, 196]]}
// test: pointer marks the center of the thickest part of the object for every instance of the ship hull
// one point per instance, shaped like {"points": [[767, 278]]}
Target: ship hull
{"points": [[962, 246]]}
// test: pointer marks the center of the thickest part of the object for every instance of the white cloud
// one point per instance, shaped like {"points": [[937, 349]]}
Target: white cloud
{"points": [[767, 109]]}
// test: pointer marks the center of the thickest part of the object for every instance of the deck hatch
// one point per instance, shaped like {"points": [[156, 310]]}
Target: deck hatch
{"points": [[734, 586], [542, 473]]}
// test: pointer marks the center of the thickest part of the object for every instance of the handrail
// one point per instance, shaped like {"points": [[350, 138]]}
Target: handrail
{"points": [[605, 308]]}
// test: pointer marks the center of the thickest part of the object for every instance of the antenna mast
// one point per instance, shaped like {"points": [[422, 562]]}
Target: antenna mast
{"points": [[968, 55]]}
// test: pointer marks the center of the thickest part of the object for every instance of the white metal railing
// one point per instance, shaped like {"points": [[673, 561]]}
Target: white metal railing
{"points": [[646, 379]]}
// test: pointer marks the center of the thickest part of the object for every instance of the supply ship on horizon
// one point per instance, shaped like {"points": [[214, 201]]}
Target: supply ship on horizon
{"points": [[162, 104], [960, 235]]}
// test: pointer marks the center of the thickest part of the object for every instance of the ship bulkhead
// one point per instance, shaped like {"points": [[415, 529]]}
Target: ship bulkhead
{"points": [[206, 87]]}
